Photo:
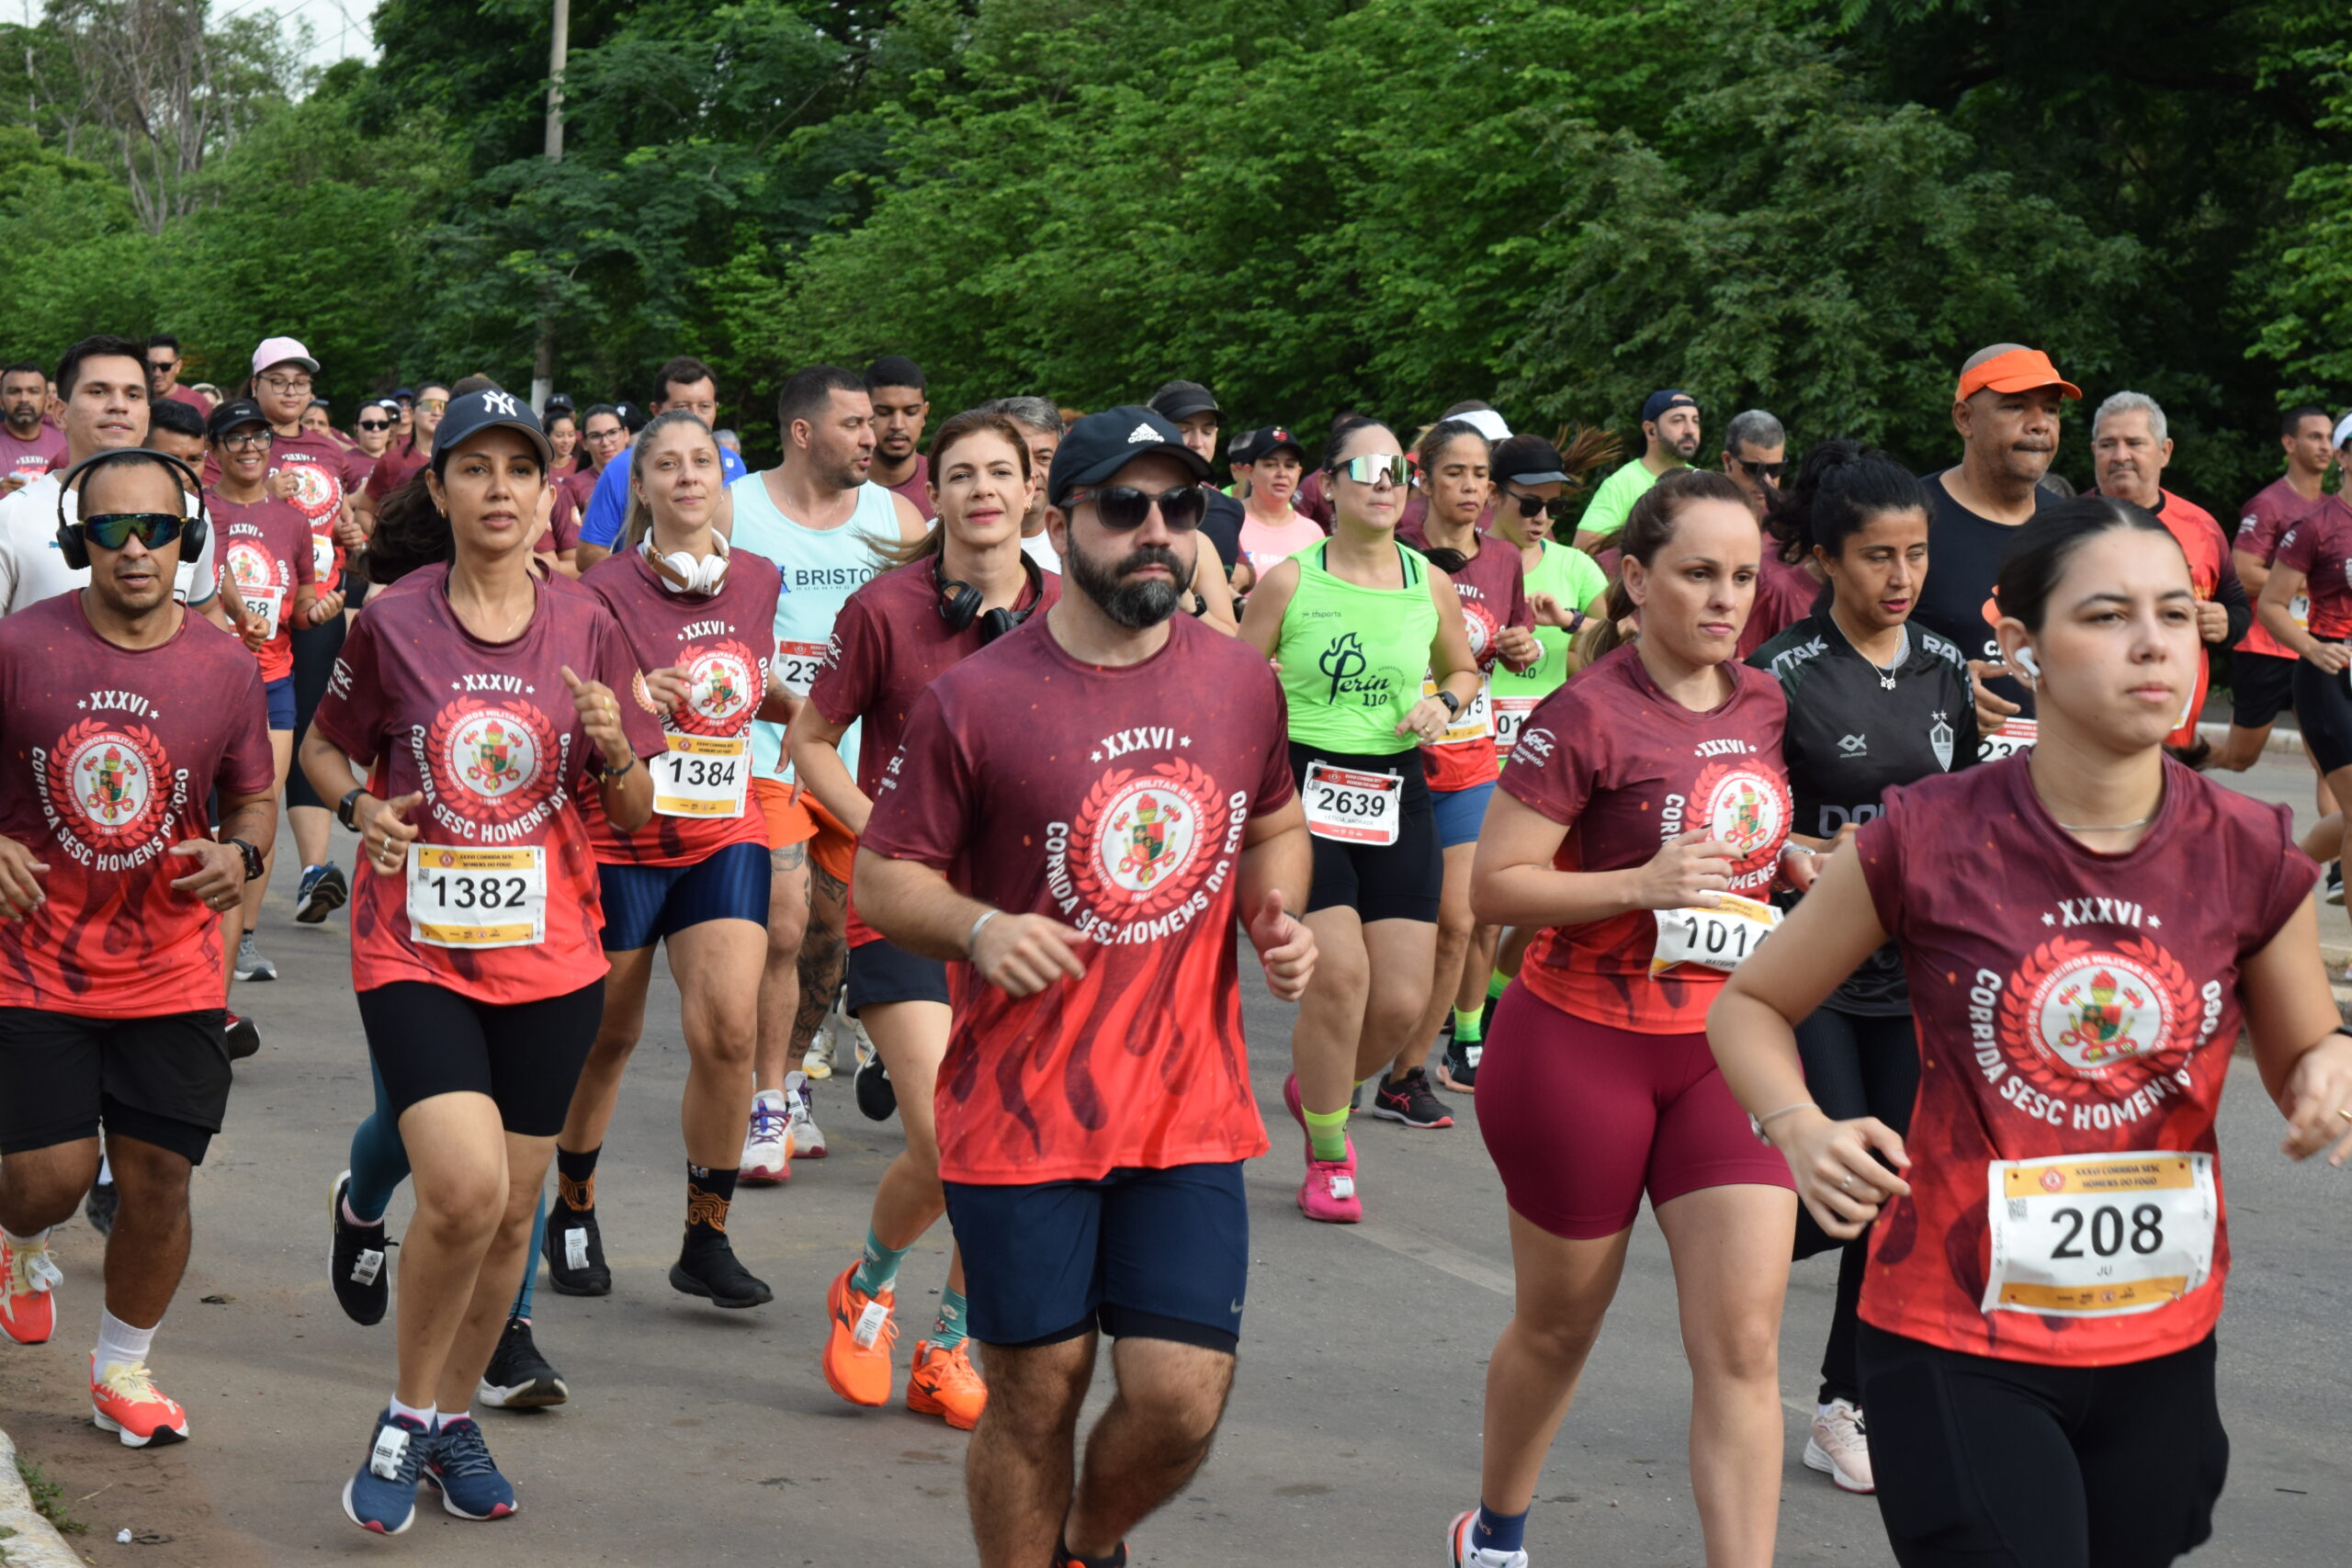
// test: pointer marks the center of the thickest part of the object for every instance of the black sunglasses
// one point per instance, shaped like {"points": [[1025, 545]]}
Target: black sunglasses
{"points": [[375, 425], [1528, 505], [112, 530], [1123, 507], [1763, 473]]}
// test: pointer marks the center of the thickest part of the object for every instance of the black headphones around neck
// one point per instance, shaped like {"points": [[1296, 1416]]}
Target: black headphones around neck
{"points": [[960, 602], [193, 532]]}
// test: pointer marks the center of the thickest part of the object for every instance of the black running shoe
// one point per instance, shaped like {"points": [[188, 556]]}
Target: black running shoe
{"points": [[876, 1096], [574, 1249], [356, 1264], [518, 1377], [245, 1038], [100, 1207], [1411, 1100], [712, 1270], [1458, 1069], [321, 893]]}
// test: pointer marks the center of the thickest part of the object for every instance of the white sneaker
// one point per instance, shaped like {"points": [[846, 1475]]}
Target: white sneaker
{"points": [[1462, 1555], [817, 1060], [865, 1051], [767, 1151], [1840, 1447], [805, 1138]]}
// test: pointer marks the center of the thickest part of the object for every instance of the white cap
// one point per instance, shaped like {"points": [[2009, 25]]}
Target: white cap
{"points": [[1486, 422], [2344, 430], [283, 351]]}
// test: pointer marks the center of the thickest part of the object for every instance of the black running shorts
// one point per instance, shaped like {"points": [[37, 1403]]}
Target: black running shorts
{"points": [[162, 1080]]}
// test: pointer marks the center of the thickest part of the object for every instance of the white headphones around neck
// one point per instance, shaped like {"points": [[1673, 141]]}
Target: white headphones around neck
{"points": [[683, 573]]}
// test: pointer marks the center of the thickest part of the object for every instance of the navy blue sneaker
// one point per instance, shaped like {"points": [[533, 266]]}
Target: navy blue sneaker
{"points": [[462, 1469], [322, 892], [382, 1496]]}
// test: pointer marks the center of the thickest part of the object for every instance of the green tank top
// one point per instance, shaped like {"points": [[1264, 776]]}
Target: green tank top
{"points": [[1353, 657], [1575, 580]]}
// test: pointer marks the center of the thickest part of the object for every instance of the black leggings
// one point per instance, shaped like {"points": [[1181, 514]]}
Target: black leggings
{"points": [[1983, 1463], [1854, 1067], [428, 1040], [315, 649]]}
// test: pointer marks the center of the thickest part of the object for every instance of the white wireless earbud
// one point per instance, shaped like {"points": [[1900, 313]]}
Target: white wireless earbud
{"points": [[2024, 660]]}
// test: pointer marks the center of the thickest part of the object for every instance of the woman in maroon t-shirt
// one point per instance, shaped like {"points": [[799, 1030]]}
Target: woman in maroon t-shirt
{"points": [[474, 949], [964, 585], [1639, 826], [2080, 928]]}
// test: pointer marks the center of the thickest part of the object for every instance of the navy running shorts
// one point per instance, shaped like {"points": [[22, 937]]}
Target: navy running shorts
{"points": [[279, 694], [882, 972], [646, 903], [1153, 1254], [1459, 812]]}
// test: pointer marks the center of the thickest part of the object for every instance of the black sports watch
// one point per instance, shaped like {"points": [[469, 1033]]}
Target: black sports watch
{"points": [[346, 811], [251, 856], [1452, 704]]}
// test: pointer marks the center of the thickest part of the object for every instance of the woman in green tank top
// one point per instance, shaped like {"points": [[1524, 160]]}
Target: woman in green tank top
{"points": [[1352, 625], [1528, 472]]}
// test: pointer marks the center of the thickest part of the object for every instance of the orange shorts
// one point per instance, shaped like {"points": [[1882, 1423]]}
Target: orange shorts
{"points": [[794, 816]]}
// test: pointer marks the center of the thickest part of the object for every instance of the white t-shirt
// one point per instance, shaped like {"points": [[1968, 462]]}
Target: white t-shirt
{"points": [[1039, 547], [33, 568]]}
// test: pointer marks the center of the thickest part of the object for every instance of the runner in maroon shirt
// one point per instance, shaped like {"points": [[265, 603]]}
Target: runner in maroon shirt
{"points": [[1640, 826], [895, 383], [963, 586], [482, 705], [1083, 857], [121, 715], [2084, 929], [2316, 557], [695, 878], [28, 448]]}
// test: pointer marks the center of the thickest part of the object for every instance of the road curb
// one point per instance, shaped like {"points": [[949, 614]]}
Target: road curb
{"points": [[2287, 742], [35, 1543]]}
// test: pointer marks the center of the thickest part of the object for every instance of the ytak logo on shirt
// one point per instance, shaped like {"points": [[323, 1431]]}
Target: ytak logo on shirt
{"points": [[1149, 851]]}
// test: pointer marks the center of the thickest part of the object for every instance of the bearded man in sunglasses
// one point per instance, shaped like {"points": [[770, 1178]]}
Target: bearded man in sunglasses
{"points": [[122, 716], [1077, 816], [103, 383]]}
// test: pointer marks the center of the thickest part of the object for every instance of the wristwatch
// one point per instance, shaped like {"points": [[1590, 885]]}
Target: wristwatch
{"points": [[251, 856], [1452, 704], [347, 810]]}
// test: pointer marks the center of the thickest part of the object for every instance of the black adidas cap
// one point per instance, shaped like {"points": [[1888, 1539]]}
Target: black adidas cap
{"points": [[1101, 444]]}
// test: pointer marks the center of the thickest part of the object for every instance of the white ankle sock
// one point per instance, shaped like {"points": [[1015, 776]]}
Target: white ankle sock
{"points": [[38, 1238], [424, 1414], [106, 1170], [445, 1419], [118, 1341]]}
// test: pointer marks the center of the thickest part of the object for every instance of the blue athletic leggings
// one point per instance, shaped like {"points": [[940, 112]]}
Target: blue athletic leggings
{"points": [[379, 1163]]}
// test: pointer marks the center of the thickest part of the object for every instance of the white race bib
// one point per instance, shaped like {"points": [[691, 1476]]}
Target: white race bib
{"points": [[467, 897], [1472, 723], [2015, 735], [1510, 714], [265, 603], [1719, 938], [322, 557], [2300, 606], [2099, 1236], [702, 776], [796, 664], [1353, 807]]}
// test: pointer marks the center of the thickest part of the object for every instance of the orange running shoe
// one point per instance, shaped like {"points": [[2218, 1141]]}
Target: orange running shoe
{"points": [[945, 1382], [28, 1274], [124, 1399], [857, 1351]]}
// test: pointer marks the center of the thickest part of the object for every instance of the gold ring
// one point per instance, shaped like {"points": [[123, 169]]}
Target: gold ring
{"points": [[2345, 1114]]}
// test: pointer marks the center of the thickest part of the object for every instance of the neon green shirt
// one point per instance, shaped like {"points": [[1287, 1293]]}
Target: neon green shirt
{"points": [[1353, 656], [1615, 497]]}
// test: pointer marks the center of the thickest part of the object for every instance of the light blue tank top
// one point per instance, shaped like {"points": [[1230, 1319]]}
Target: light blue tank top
{"points": [[821, 568]]}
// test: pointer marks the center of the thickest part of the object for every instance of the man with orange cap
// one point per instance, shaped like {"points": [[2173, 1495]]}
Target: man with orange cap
{"points": [[2005, 410]]}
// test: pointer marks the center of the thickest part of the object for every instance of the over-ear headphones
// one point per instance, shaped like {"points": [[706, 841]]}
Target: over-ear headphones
{"points": [[960, 602], [681, 574], [193, 533]]}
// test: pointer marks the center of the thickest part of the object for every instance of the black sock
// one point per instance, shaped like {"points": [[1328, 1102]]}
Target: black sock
{"points": [[708, 1195], [1064, 1557], [575, 1177]]}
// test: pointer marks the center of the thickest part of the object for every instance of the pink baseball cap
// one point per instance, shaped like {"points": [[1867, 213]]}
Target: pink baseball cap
{"points": [[283, 351]]}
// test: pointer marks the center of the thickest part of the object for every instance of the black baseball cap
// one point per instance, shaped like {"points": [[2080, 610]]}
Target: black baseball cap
{"points": [[402, 394], [1660, 401], [1181, 400], [1101, 444], [1528, 461], [475, 411], [229, 415], [632, 416], [1252, 446]]}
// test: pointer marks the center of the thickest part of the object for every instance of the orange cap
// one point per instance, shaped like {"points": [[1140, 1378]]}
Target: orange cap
{"points": [[2019, 370]]}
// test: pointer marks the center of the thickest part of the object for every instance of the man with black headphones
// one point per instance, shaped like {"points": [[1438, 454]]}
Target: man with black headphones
{"points": [[122, 716], [104, 382]]}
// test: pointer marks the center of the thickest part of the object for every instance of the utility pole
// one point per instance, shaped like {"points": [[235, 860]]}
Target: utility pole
{"points": [[559, 43]]}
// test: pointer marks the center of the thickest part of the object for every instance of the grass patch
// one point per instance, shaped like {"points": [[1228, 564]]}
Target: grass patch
{"points": [[49, 1499]]}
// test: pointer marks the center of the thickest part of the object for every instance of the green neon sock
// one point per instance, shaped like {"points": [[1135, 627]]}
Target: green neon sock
{"points": [[1470, 1027], [879, 1270], [1496, 985], [947, 1330], [1328, 1131]]}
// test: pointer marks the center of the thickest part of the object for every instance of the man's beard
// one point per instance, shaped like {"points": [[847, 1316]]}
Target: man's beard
{"points": [[1135, 605]]}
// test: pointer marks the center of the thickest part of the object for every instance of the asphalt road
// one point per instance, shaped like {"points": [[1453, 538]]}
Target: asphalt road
{"points": [[704, 1436]]}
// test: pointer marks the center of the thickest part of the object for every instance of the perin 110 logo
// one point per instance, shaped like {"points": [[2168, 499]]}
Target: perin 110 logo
{"points": [[492, 760]]}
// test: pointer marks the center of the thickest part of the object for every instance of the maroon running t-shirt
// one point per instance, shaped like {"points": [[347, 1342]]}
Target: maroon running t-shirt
{"points": [[916, 486], [500, 900], [702, 783], [108, 757], [888, 641], [2320, 546], [324, 474], [32, 458], [264, 552], [1785, 595], [400, 463], [1493, 590], [1112, 800], [2073, 1008], [1628, 768], [2276, 507]]}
